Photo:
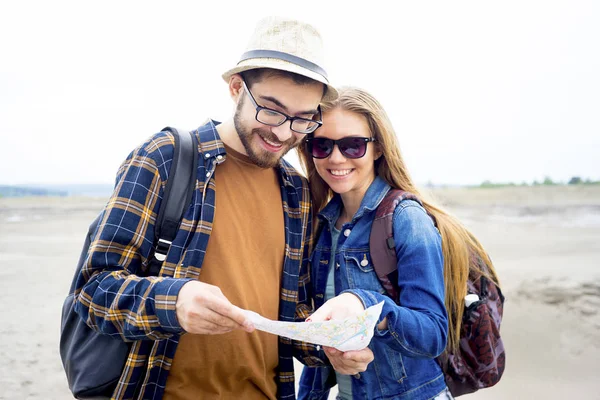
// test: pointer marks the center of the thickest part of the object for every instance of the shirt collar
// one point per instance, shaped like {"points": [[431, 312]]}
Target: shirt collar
{"points": [[373, 197], [212, 147], [210, 142], [287, 171]]}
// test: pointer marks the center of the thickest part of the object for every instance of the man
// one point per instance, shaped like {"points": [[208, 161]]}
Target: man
{"points": [[255, 209]]}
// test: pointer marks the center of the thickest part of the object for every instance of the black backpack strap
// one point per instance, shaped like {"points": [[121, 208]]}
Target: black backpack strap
{"points": [[177, 195]]}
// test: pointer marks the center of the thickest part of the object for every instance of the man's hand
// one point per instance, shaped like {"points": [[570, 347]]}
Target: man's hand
{"points": [[203, 309], [349, 362]]}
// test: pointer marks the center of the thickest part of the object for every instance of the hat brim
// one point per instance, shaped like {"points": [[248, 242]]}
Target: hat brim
{"points": [[275, 63]]}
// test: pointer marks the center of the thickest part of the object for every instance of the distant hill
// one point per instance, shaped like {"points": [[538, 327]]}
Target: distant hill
{"points": [[85, 190], [20, 191]]}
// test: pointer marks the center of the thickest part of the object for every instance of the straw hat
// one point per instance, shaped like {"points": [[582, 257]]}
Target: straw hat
{"points": [[288, 45]]}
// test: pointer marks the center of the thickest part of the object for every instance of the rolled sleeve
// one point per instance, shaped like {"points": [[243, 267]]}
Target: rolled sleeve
{"points": [[165, 300], [110, 294]]}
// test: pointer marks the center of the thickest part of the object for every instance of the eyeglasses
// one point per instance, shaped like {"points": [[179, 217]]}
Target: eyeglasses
{"points": [[350, 147], [271, 117]]}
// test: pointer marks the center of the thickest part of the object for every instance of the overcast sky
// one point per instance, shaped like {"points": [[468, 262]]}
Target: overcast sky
{"points": [[476, 90]]}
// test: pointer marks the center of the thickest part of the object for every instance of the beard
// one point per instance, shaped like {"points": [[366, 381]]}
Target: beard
{"points": [[258, 156]]}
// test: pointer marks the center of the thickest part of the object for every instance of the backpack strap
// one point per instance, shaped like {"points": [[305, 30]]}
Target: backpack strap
{"points": [[177, 195], [381, 242]]}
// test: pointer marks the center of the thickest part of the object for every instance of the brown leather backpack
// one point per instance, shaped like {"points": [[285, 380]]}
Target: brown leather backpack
{"points": [[480, 360]]}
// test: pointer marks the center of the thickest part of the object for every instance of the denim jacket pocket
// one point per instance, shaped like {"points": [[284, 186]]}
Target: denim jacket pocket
{"points": [[396, 365], [390, 371], [360, 272], [360, 259]]}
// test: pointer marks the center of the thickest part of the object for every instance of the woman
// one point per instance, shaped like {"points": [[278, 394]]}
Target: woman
{"points": [[352, 161]]}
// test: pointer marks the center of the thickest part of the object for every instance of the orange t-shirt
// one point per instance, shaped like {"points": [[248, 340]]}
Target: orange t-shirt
{"points": [[244, 258]]}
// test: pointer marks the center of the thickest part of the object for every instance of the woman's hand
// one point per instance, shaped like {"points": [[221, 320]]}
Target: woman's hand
{"points": [[343, 306], [349, 362]]}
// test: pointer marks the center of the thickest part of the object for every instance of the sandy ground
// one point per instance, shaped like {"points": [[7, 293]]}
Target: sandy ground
{"points": [[545, 243]]}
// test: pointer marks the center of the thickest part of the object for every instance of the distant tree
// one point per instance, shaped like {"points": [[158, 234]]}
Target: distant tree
{"points": [[535, 183], [576, 180], [548, 181]]}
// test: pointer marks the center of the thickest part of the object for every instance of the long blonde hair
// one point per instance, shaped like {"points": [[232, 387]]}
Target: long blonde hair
{"points": [[458, 244]]}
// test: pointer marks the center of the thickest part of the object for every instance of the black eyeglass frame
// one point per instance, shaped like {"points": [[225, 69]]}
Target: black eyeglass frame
{"points": [[287, 117], [335, 143]]}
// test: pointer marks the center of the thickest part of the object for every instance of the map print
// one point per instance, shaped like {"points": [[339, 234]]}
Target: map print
{"points": [[353, 333]]}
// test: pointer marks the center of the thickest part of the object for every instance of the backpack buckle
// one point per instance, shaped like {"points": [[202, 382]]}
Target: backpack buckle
{"points": [[162, 248]]}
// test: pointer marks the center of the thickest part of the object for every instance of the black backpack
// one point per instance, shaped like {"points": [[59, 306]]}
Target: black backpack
{"points": [[480, 359], [93, 361]]}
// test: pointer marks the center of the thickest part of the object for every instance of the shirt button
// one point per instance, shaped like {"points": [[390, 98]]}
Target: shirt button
{"points": [[347, 232], [364, 262], [207, 155]]}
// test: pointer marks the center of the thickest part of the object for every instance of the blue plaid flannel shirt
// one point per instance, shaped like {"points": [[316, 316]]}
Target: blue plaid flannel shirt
{"points": [[112, 299]]}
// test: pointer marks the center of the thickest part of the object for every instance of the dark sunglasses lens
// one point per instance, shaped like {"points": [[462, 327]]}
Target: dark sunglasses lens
{"points": [[320, 148], [352, 147]]}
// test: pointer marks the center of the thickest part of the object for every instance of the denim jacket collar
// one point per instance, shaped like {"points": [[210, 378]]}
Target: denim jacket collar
{"points": [[373, 197]]}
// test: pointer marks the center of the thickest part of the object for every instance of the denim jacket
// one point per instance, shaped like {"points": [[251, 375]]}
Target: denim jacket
{"points": [[404, 366]]}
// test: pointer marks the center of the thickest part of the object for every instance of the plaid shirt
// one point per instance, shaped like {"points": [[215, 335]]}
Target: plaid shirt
{"points": [[112, 299]]}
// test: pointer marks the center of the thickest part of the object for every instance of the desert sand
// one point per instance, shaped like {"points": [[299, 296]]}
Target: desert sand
{"points": [[544, 241]]}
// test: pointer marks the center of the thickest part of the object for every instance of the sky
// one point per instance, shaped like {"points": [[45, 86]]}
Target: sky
{"points": [[476, 90]]}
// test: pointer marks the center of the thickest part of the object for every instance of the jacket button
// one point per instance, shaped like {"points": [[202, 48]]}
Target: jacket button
{"points": [[347, 232], [357, 375], [364, 262], [319, 296], [337, 265]]}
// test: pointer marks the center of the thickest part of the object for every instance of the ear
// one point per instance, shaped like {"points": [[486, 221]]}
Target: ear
{"points": [[378, 152], [236, 88]]}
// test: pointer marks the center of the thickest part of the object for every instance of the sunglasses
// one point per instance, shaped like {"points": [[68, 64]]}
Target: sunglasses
{"points": [[350, 147]]}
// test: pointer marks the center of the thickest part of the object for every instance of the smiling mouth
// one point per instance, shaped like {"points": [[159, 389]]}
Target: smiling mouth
{"points": [[340, 172], [271, 145]]}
